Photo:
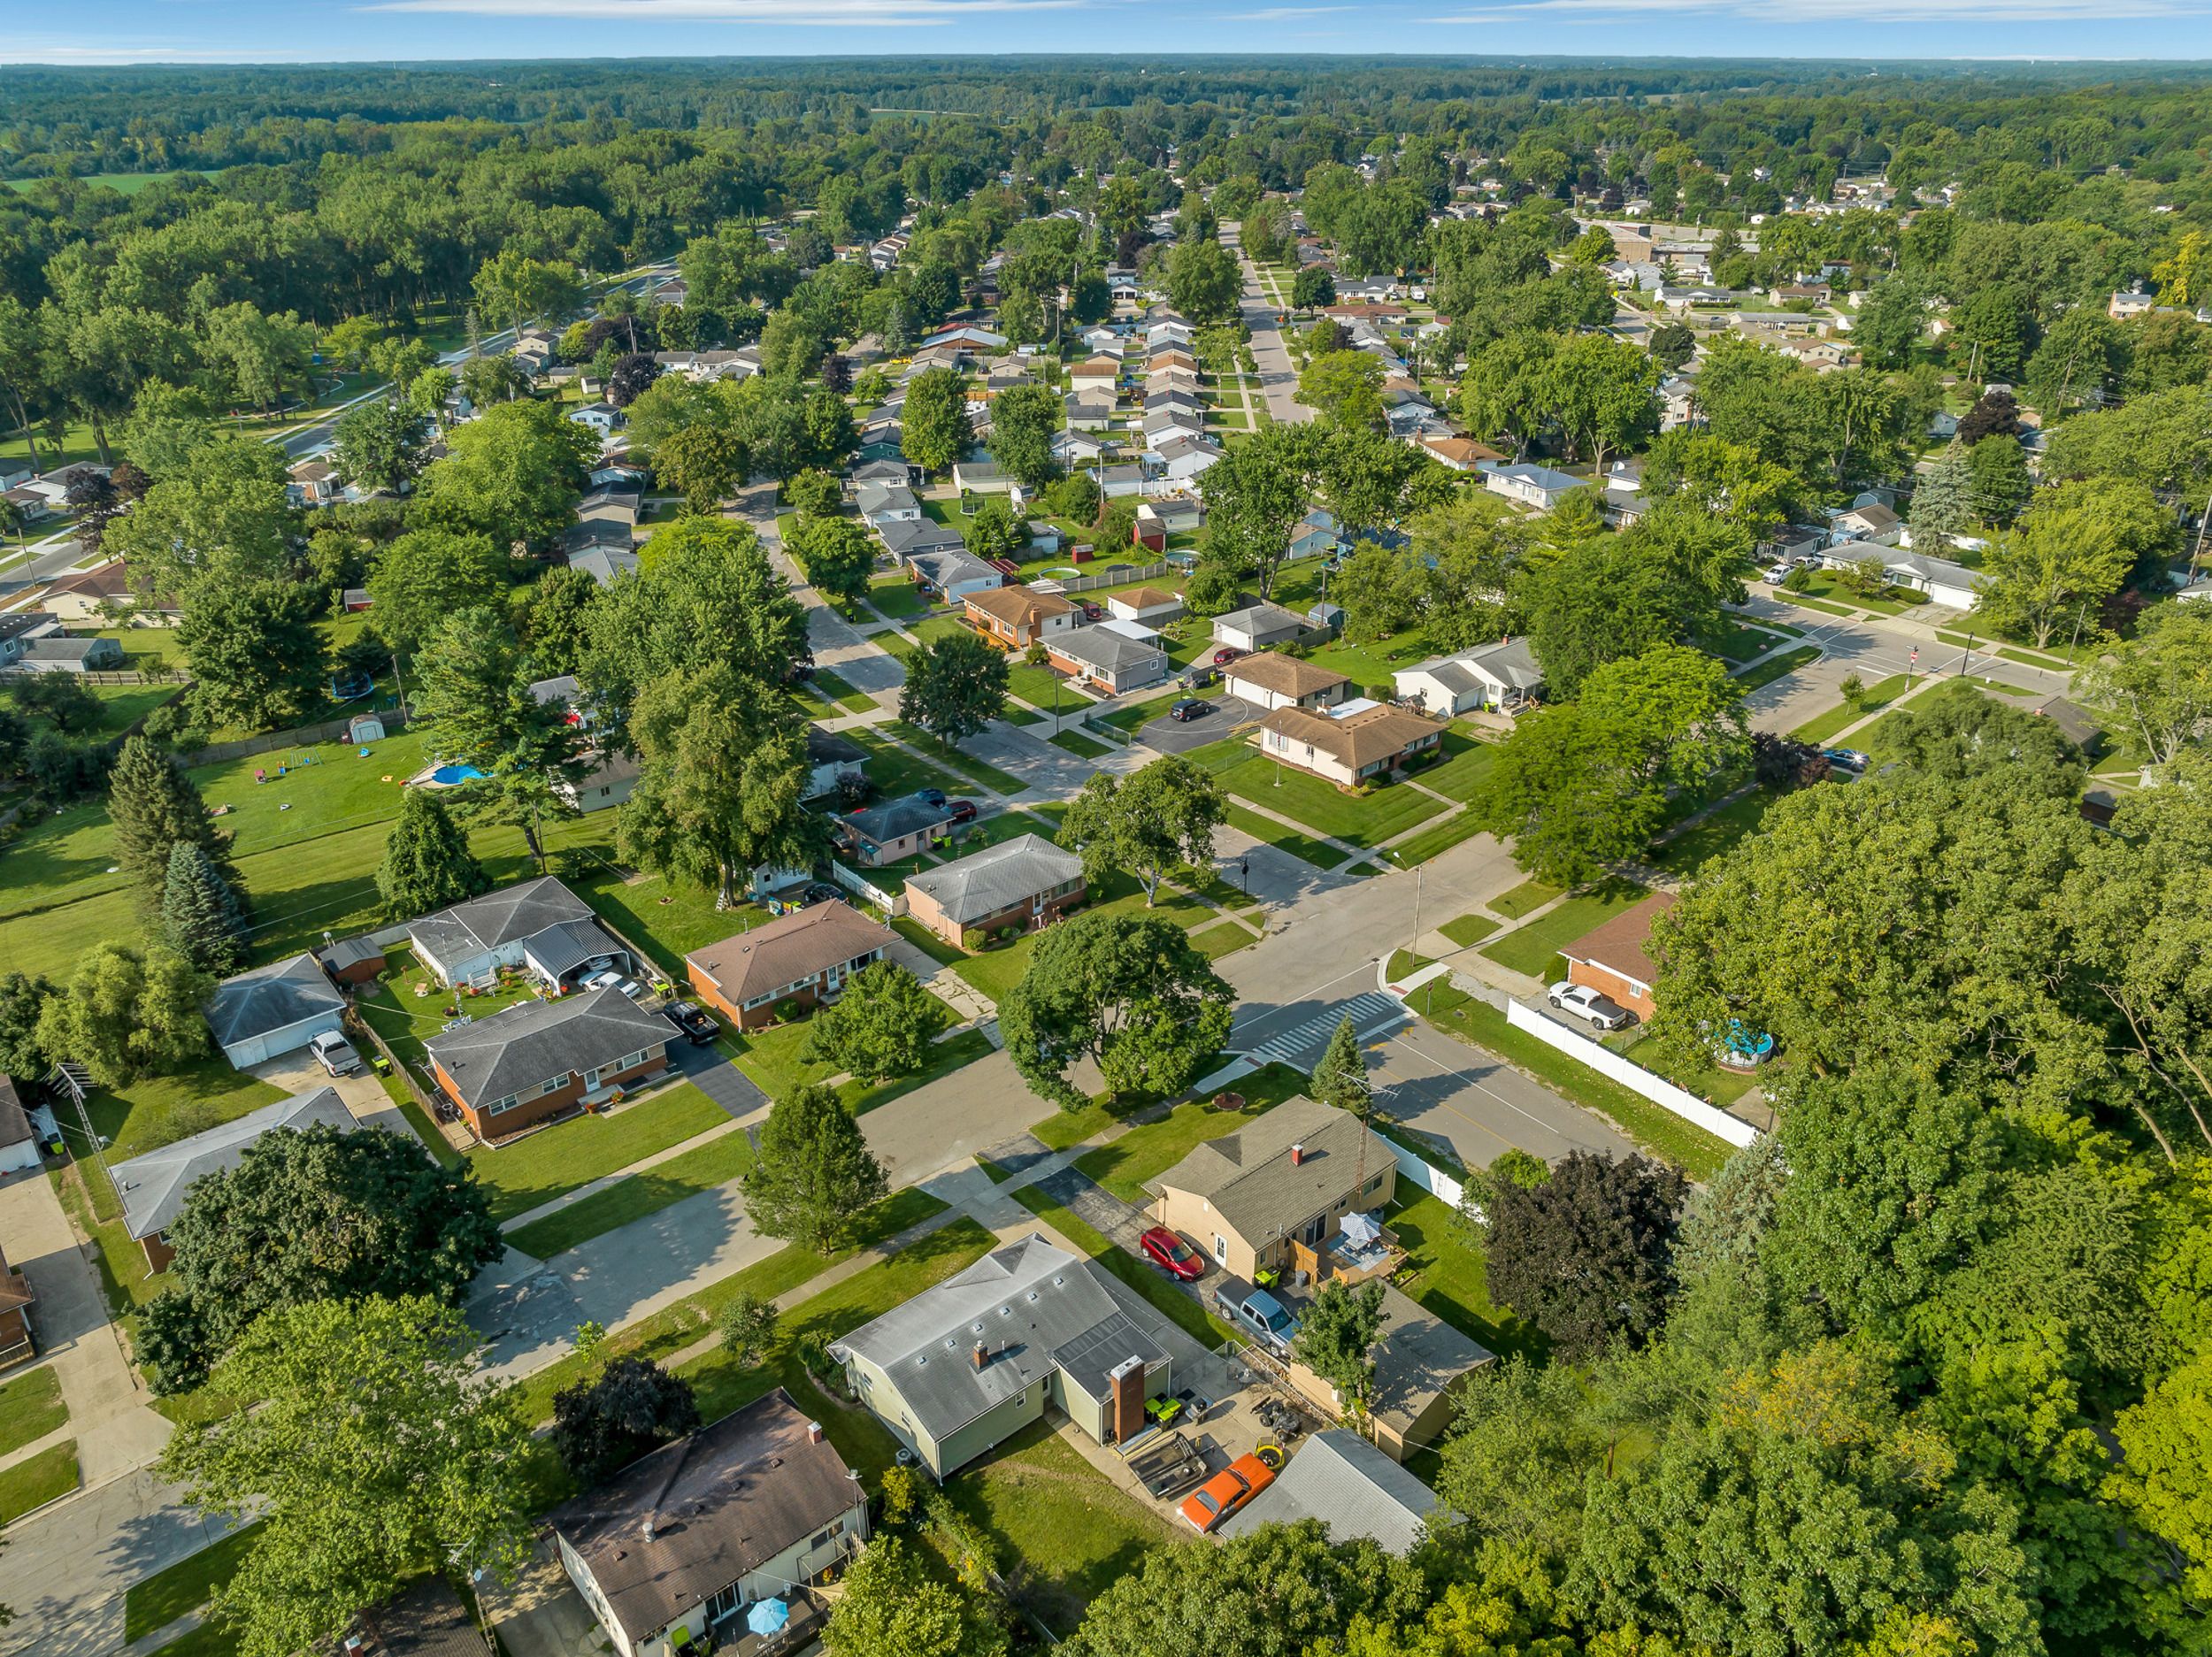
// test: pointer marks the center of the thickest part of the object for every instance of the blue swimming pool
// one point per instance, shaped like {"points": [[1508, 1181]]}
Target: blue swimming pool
{"points": [[450, 775]]}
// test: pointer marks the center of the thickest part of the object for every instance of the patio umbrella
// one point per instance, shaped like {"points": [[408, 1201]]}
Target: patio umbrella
{"points": [[767, 1616], [1361, 1228]]}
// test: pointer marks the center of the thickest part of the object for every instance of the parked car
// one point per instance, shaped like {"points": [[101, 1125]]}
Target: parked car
{"points": [[1845, 758], [1257, 1312], [1190, 708], [1171, 1253], [1778, 572], [696, 1026], [613, 980], [1093, 612], [820, 892], [962, 811], [1226, 1491], [934, 796], [1227, 653], [335, 1054], [1589, 1005]]}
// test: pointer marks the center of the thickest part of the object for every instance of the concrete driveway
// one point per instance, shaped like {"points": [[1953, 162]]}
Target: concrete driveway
{"points": [[1477, 1103], [540, 1613], [1164, 735]]}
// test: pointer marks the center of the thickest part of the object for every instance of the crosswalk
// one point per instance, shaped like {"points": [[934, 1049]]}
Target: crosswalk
{"points": [[1372, 1012]]}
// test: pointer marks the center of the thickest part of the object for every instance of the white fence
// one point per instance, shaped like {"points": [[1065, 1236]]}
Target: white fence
{"points": [[1429, 1180], [1603, 1060], [892, 903]]}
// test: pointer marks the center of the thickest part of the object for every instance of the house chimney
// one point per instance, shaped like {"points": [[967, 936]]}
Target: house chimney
{"points": [[814, 1432], [1297, 1155], [979, 1357], [1127, 1379], [648, 1526]]}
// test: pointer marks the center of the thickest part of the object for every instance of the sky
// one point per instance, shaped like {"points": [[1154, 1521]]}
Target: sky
{"points": [[239, 31]]}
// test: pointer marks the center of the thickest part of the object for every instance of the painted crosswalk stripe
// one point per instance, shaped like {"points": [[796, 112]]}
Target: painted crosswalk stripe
{"points": [[1370, 1013]]}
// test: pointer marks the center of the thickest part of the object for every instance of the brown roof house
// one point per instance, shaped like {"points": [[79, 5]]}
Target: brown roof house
{"points": [[1616, 959], [425, 1619], [675, 1552], [1362, 742], [1271, 680], [1419, 1362], [17, 1344], [540, 1059], [1027, 883], [1015, 617], [804, 957]]}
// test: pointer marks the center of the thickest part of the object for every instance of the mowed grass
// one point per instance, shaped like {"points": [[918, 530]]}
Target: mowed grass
{"points": [[156, 1110], [1357, 820], [1447, 1273], [1872, 699], [1082, 747], [1438, 838], [976, 770], [157, 1601], [1467, 931], [554, 1160], [1151, 1148], [31, 1408], [1467, 761], [705, 1169], [1524, 899], [1534, 947], [1319, 853], [47, 1476], [1778, 667]]}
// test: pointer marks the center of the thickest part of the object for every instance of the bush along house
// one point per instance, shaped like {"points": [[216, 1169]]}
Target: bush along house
{"points": [[541, 1059]]}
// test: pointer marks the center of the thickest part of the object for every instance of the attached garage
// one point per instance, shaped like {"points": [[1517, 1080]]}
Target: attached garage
{"points": [[273, 1010]]}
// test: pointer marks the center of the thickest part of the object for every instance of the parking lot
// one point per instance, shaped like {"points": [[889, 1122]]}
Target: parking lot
{"points": [[1165, 735]]}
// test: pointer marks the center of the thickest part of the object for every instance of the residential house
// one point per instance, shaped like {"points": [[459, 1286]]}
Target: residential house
{"points": [[1270, 680], [90, 596], [1175, 514], [1172, 360], [1615, 960], [152, 1187], [18, 1342], [1866, 520], [983, 477], [879, 471], [673, 1553], [2120, 307], [830, 759], [1189, 401], [1460, 453], [1945, 582], [537, 926], [881, 503], [904, 539], [1501, 677], [1184, 459], [610, 779], [967, 1364], [895, 829], [1420, 1362], [1015, 617], [313, 482], [1026, 883], [968, 336], [1146, 606], [603, 417], [1077, 446], [53, 486], [1539, 487], [1116, 481], [1167, 335], [264, 1013], [1098, 373], [1318, 535], [20, 1135], [804, 957], [48, 649], [1103, 341], [1115, 655], [1162, 424], [1285, 1179], [539, 1059], [1091, 409], [1257, 627], [604, 564], [19, 630], [952, 572], [1353, 1488], [1361, 742]]}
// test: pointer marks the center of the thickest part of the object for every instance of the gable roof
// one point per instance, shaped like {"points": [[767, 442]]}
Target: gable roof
{"points": [[1250, 1179], [269, 999], [988, 881], [896, 818], [790, 950], [531, 1042], [1283, 675], [1509, 662], [1623, 944], [1034, 1308], [508, 916], [1357, 740], [1104, 648], [153, 1186], [912, 538], [1351, 1486], [1018, 606], [1418, 1355], [604, 564], [683, 1523]]}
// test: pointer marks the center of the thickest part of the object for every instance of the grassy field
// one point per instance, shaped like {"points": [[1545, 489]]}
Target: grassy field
{"points": [[546, 1164], [1778, 667], [1438, 838], [1446, 1272], [710, 1165], [1521, 900], [1534, 948], [1065, 1530], [1165, 1298], [47, 1476], [1284, 838], [31, 1408], [1153, 1147], [1467, 931]]}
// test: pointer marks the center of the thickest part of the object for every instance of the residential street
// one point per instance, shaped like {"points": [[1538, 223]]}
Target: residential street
{"points": [[1279, 377]]}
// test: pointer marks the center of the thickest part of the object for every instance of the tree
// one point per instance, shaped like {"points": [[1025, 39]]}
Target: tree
{"points": [[934, 432], [224, 516], [514, 474], [1340, 1077], [520, 290], [201, 917], [706, 462], [1994, 414], [1613, 597], [1672, 344], [2082, 356], [1891, 317], [59, 700], [2159, 684], [1313, 288], [1584, 785], [747, 1326], [1336, 1339], [427, 575], [633, 375], [1585, 1254], [154, 806], [814, 1175], [722, 785], [838, 559], [556, 620], [1997, 468], [879, 1028], [1203, 282], [605, 1421], [1346, 387], [996, 530], [956, 686], [379, 445], [313, 1213], [374, 1453], [123, 1015], [1600, 394], [1159, 819], [1127, 991], [428, 863], [892, 1605], [1257, 494], [2164, 1476], [2058, 564], [257, 658], [1023, 419], [813, 494], [1942, 501], [21, 998]]}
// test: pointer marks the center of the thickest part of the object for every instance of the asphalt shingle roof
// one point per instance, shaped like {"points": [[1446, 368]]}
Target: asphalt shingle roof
{"points": [[1254, 1185], [790, 950], [153, 1186], [269, 999], [998, 878], [1351, 1486], [531, 1042]]}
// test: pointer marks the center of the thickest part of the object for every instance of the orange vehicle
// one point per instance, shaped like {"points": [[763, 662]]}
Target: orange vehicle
{"points": [[1226, 1491]]}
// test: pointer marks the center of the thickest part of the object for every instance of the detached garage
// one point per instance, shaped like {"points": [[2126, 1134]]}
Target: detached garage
{"points": [[273, 1010]]}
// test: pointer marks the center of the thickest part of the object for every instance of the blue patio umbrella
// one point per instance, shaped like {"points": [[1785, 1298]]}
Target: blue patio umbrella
{"points": [[767, 1616]]}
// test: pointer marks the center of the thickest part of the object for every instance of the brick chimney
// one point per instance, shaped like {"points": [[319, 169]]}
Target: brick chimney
{"points": [[1297, 1155], [979, 1357], [1128, 1380], [814, 1432]]}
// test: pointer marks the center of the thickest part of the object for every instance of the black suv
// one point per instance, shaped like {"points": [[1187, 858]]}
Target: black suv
{"points": [[697, 1025]]}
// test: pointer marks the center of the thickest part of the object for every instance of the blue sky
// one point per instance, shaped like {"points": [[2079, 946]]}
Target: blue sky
{"points": [[219, 31]]}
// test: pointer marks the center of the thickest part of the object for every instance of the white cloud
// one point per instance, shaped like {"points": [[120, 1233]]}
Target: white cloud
{"points": [[1280, 14], [1812, 12], [803, 13]]}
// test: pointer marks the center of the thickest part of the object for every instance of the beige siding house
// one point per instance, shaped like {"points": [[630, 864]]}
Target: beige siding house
{"points": [[1358, 745]]}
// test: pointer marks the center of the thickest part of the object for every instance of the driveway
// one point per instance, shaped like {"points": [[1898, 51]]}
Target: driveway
{"points": [[1475, 1102], [540, 1613], [718, 1079], [1164, 735]]}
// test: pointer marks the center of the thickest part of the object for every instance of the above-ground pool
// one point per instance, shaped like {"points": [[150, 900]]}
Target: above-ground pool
{"points": [[1742, 1047], [447, 776]]}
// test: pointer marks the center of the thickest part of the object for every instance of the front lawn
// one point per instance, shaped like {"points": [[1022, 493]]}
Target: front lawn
{"points": [[1778, 667], [1446, 1272], [31, 1408], [1467, 931], [1743, 642], [1438, 838], [1364, 820], [1524, 899], [157, 1110], [1872, 699], [1534, 948], [976, 770], [1065, 1533], [1284, 838], [1467, 761], [1165, 1298], [896, 598], [897, 771], [712, 1164], [1716, 834], [1079, 745], [771, 1056], [551, 1162]]}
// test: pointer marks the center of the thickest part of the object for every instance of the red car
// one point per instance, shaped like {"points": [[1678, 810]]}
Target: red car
{"points": [[961, 811], [1171, 1253], [1227, 653]]}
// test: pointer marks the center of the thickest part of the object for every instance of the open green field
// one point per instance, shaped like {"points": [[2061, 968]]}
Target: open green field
{"points": [[1534, 948], [1467, 931]]}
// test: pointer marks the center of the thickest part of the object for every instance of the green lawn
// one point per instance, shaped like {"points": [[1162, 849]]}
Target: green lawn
{"points": [[896, 771], [1532, 948], [1066, 1533], [1691, 849], [161, 1598], [1284, 838], [896, 598], [668, 919], [1153, 1147], [1743, 642], [1446, 1272], [1468, 930], [31, 1408], [1438, 838], [88, 1195], [46, 1476], [839, 692], [712, 1164], [1877, 697], [1166, 1298], [1707, 1081], [409, 1007], [1467, 761], [928, 941], [1226, 938], [996, 971], [1827, 584], [976, 770], [1365, 820], [1079, 745], [1778, 667], [1129, 716], [542, 1166], [1524, 898]]}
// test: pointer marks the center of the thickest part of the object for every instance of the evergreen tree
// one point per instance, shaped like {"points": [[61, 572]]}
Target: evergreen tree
{"points": [[814, 1173], [1942, 501], [428, 863], [155, 808], [1341, 1079], [200, 917]]}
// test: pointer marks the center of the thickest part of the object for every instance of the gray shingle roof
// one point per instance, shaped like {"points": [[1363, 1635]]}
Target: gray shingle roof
{"points": [[1034, 1308], [531, 1042], [504, 917], [1416, 1356], [604, 564], [1104, 648], [1351, 1486], [1258, 619], [998, 878], [1251, 1181], [907, 815], [153, 1186], [269, 999]]}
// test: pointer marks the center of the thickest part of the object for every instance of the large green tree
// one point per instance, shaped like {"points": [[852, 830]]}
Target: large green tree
{"points": [[956, 686], [258, 659], [154, 806], [124, 1015], [893, 1604], [427, 864], [201, 918], [934, 431], [814, 1173], [1159, 819], [513, 474], [1023, 421], [427, 575], [880, 1026]]}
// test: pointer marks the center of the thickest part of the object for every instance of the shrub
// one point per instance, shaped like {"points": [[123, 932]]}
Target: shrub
{"points": [[790, 1012], [1797, 581]]}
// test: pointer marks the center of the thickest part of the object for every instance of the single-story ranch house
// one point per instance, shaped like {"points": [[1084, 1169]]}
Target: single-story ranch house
{"points": [[1027, 882], [805, 957], [1364, 741], [540, 1059], [540, 924]]}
